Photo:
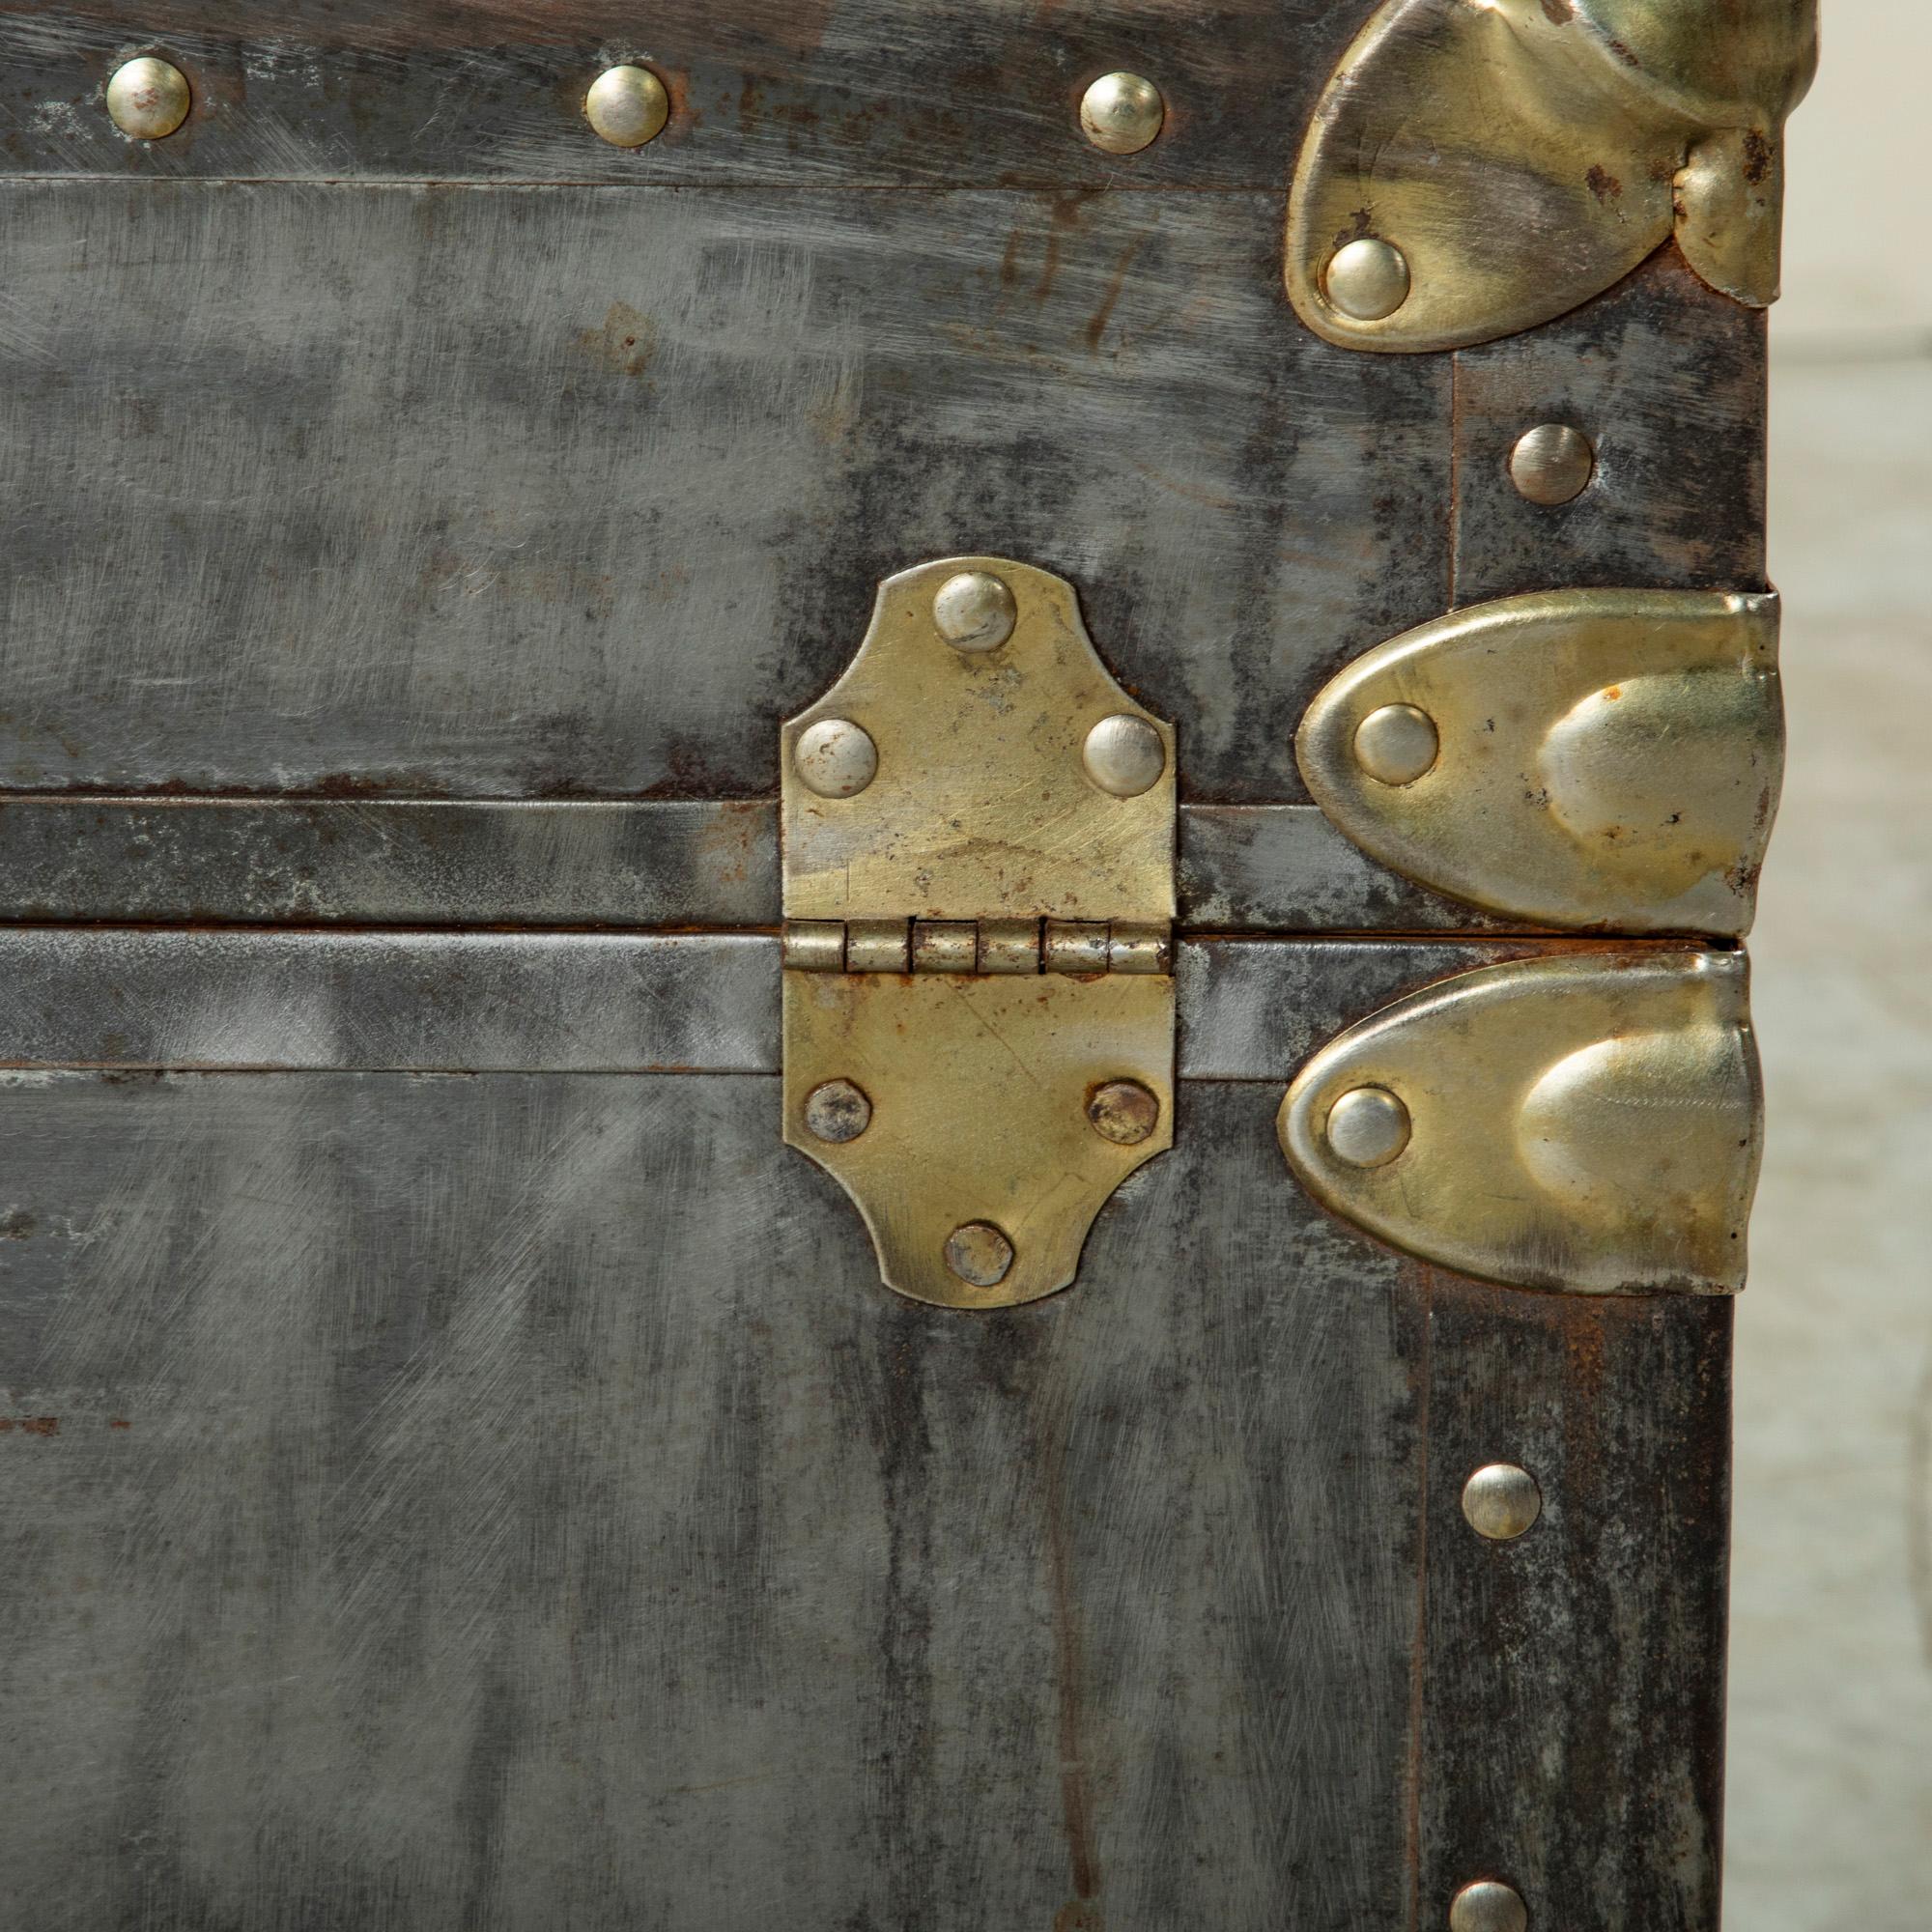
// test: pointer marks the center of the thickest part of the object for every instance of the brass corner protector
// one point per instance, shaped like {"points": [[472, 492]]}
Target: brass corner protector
{"points": [[1602, 760], [1477, 167], [979, 1011], [1589, 1122]]}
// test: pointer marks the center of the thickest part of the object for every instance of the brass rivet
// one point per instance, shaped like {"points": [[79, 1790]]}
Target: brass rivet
{"points": [[975, 611], [1123, 1112], [1488, 1906], [1552, 463], [1121, 113], [1124, 756], [979, 1253], [1502, 1501], [1368, 1127], [147, 98], [1367, 279], [838, 1112], [835, 758], [627, 106], [1397, 744]]}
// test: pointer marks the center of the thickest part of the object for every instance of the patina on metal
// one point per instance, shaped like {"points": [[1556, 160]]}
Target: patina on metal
{"points": [[147, 97], [1004, 889], [627, 105], [1587, 1122], [1519, 157], [1121, 113], [1487, 1905], [1605, 760], [1502, 1501]]}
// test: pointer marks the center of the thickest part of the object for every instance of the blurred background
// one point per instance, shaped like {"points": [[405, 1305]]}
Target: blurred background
{"points": [[1830, 1815]]}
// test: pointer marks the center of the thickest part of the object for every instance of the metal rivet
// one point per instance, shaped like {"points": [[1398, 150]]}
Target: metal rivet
{"points": [[835, 758], [1367, 1127], [1488, 1906], [1123, 1112], [627, 106], [1396, 744], [1502, 1501], [975, 611], [1124, 756], [838, 1112], [147, 98], [1367, 279], [1552, 463], [1121, 113], [979, 1253]]}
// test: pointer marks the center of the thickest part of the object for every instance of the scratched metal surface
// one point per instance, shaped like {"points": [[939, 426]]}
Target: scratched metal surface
{"points": [[511, 1502], [553, 863], [848, 93], [145, 997], [352, 490]]}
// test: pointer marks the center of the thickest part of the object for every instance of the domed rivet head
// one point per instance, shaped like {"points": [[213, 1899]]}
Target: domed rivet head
{"points": [[1552, 463], [837, 1112], [1488, 1906], [835, 758], [1367, 1127], [627, 106], [1124, 756], [975, 611], [1396, 744], [1367, 279], [1121, 113], [979, 1253], [147, 98], [1123, 1112], [1502, 1501]]}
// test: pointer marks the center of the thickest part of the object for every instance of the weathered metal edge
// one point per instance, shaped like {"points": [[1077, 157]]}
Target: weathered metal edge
{"points": [[143, 998], [621, 863]]}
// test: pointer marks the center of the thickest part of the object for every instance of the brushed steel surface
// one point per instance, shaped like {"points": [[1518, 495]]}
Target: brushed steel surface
{"points": [[514, 1498], [143, 998], [596, 488]]}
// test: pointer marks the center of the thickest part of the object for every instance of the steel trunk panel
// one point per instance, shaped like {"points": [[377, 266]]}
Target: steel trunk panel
{"points": [[465, 1469], [512, 1500]]}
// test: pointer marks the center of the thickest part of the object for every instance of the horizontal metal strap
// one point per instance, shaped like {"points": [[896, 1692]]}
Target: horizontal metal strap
{"points": [[617, 863], [125, 998]]}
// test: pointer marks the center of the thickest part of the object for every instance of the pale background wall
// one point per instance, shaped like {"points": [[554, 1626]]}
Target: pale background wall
{"points": [[1831, 1773]]}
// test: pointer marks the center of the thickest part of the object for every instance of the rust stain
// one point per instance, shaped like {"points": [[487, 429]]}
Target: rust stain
{"points": [[1758, 157], [626, 343], [119, 1422], [1604, 185], [33, 1425], [1080, 1914], [1096, 327]]}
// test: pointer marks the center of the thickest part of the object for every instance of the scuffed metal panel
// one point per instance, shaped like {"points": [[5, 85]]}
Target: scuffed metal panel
{"points": [[561, 493], [1667, 378], [514, 1501], [390, 862], [1570, 1685], [136, 998]]}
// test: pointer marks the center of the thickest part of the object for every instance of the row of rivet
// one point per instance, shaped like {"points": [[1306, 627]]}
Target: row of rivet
{"points": [[629, 105], [1003, 946], [1369, 1127]]}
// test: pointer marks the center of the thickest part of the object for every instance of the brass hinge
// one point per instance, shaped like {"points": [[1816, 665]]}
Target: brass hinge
{"points": [[978, 835], [1476, 167]]}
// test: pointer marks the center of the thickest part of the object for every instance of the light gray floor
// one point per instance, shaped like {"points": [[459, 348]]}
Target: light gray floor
{"points": [[1831, 1770]]}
